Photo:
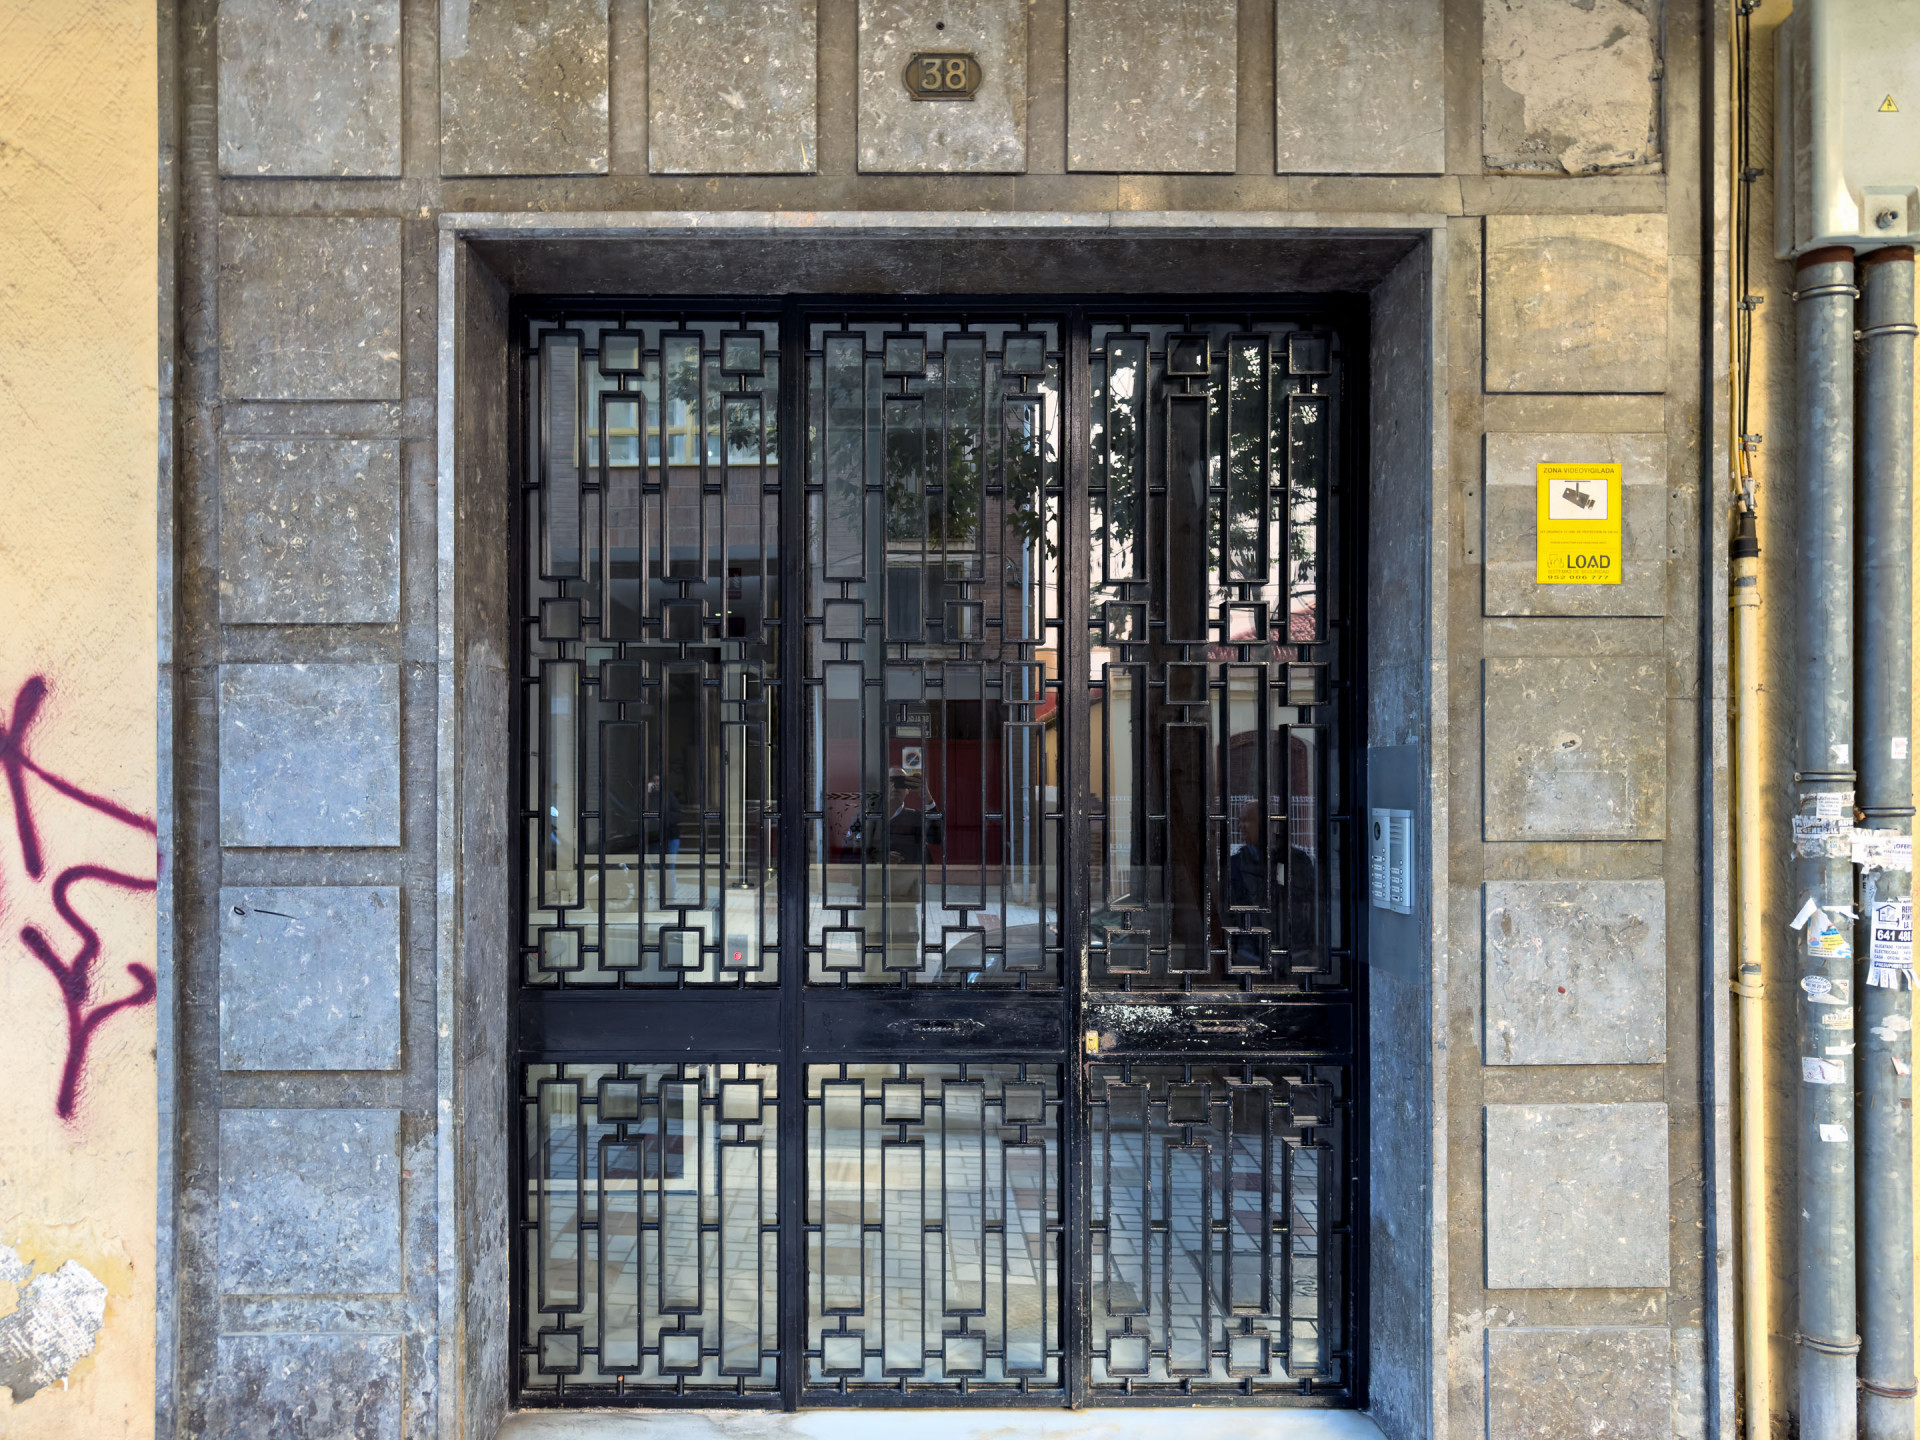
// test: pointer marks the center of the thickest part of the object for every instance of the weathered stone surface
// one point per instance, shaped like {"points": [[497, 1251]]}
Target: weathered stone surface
{"points": [[1576, 1196], [1577, 303], [1576, 748], [309, 532], [309, 308], [310, 978], [1512, 525], [985, 134], [1576, 972], [523, 87], [1359, 88], [1568, 88], [1152, 85], [309, 755], [312, 93], [309, 1202], [731, 87], [1547, 1383], [307, 1387]]}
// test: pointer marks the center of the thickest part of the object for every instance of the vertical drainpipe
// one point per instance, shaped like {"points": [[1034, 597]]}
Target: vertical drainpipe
{"points": [[1822, 858], [1886, 808]]}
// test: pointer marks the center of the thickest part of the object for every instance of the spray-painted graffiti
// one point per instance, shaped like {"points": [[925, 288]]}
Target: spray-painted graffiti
{"points": [[74, 973]]}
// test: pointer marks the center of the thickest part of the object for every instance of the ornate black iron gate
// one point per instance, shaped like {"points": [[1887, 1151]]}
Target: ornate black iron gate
{"points": [[936, 981]]}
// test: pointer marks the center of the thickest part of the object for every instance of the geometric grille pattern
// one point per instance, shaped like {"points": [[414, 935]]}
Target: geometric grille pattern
{"points": [[1209, 486], [933, 1227], [650, 621], [650, 1228], [1218, 1248], [932, 630], [978, 779]]}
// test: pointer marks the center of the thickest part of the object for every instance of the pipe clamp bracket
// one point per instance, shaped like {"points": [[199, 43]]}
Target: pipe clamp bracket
{"points": [[1828, 1347], [1889, 1392], [1813, 291]]}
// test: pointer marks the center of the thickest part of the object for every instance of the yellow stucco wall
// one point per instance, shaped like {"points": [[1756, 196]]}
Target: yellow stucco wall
{"points": [[79, 412]]}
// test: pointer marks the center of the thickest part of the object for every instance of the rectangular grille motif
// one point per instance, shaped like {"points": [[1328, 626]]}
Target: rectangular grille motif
{"points": [[650, 1229], [1218, 1243], [933, 1227], [933, 730], [1218, 826], [932, 637], [650, 619]]}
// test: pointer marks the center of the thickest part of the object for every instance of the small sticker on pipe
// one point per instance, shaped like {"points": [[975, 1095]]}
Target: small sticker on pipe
{"points": [[1820, 990], [1834, 1134], [1829, 942], [1577, 523], [1816, 1071], [1899, 743], [1890, 955], [1882, 850]]}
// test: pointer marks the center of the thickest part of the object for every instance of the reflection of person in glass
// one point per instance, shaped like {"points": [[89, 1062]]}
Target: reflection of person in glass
{"points": [[663, 819], [911, 831], [1246, 882]]}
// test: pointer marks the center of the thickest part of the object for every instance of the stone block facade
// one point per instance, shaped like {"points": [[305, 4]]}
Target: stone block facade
{"points": [[348, 218]]}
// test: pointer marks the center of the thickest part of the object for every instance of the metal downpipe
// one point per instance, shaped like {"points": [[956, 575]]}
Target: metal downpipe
{"points": [[1748, 864], [1886, 873], [1822, 858]]}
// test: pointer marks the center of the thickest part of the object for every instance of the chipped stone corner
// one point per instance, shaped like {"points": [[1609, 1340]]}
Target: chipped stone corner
{"points": [[1571, 89], [52, 1327]]}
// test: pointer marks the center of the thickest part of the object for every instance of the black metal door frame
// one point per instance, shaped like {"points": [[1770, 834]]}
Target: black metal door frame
{"points": [[794, 1024]]}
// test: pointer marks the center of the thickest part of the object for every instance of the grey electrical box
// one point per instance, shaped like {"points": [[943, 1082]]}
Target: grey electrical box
{"points": [[1846, 130]]}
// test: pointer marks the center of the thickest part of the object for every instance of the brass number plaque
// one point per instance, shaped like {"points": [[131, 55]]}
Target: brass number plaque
{"points": [[948, 75]]}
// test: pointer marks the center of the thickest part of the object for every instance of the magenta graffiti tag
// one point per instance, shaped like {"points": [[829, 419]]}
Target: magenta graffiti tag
{"points": [[74, 975]]}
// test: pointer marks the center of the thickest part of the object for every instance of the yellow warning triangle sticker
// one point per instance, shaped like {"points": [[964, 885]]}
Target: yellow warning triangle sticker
{"points": [[1887, 107]]}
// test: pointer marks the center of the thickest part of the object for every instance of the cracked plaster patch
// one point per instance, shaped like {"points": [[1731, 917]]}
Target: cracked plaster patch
{"points": [[52, 1328]]}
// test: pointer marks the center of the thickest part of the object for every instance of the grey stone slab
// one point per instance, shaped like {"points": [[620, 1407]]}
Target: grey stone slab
{"points": [[1152, 85], [310, 978], [1576, 972], [309, 308], [1575, 748], [1576, 303], [523, 87], [1359, 88], [732, 87], [1577, 1196], [987, 134], [307, 1387], [1611, 1382], [309, 1202], [309, 755], [309, 532], [1512, 525], [312, 89], [1568, 89]]}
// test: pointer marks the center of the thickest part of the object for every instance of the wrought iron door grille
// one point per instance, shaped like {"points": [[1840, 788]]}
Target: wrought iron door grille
{"points": [[650, 1223], [934, 1236], [934, 734], [649, 653], [1217, 822], [932, 678]]}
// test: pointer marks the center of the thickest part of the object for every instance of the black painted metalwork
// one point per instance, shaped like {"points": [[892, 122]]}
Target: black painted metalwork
{"points": [[936, 717]]}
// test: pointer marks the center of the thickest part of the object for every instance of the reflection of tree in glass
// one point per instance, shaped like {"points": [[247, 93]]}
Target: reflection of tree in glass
{"points": [[1303, 547], [1246, 463], [1124, 446]]}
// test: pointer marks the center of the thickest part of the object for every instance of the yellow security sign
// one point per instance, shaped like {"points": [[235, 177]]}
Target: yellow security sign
{"points": [[1578, 523]]}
